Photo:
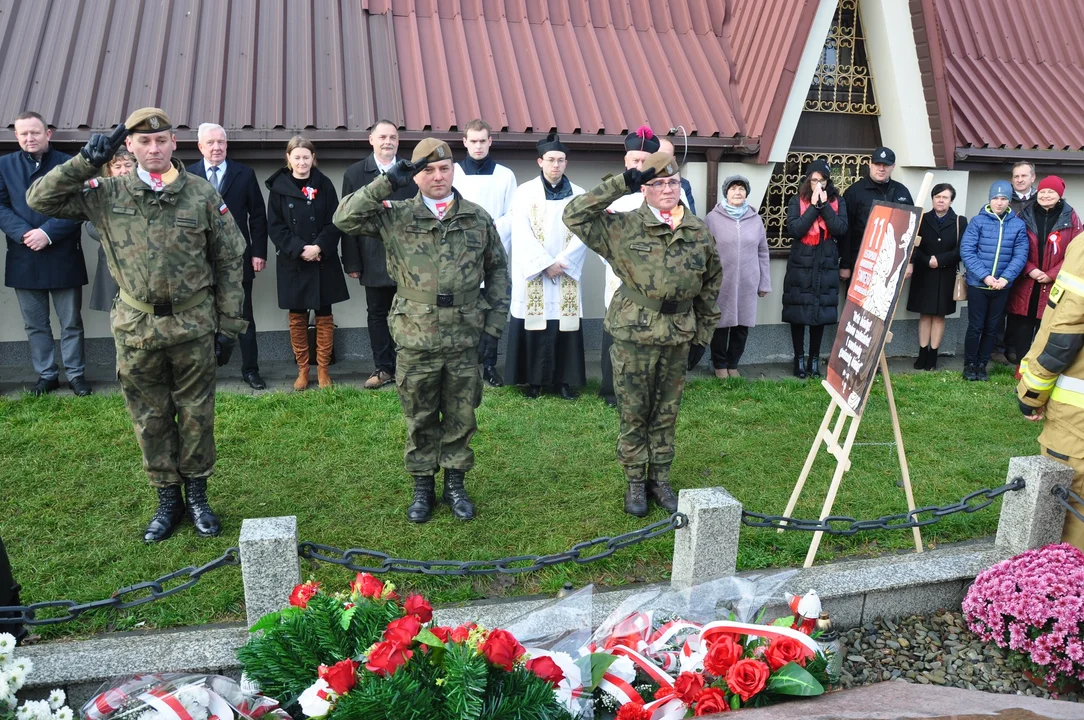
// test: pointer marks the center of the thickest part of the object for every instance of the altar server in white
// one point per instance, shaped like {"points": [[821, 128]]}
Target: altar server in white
{"points": [[482, 181], [545, 340]]}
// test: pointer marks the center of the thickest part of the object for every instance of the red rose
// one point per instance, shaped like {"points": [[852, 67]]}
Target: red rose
{"points": [[712, 700], [783, 650], [501, 649], [461, 633], [303, 593], [367, 586], [747, 678], [341, 676], [632, 711], [387, 657], [419, 607], [545, 668], [688, 687], [722, 653], [444, 633], [403, 631]]}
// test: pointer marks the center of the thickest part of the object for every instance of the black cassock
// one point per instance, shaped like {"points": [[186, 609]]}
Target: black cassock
{"points": [[9, 595]]}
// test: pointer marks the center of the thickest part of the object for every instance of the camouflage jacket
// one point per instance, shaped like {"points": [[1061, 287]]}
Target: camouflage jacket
{"points": [[426, 255], [161, 247], [654, 261]]}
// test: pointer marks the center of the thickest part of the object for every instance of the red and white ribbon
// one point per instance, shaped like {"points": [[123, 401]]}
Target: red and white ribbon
{"points": [[106, 704], [166, 704], [769, 632]]}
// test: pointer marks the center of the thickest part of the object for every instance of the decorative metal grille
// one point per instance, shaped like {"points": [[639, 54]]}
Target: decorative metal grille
{"points": [[846, 168], [842, 81]]}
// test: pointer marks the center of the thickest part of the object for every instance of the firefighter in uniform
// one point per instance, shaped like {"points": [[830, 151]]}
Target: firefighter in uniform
{"points": [[1052, 379]]}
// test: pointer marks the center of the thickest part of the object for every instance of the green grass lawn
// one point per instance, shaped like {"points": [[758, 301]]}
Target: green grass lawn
{"points": [[75, 499]]}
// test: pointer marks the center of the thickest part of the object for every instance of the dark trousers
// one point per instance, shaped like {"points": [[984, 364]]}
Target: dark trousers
{"points": [[378, 302], [606, 389], [250, 354], [1019, 333], [797, 339], [9, 594], [727, 346], [985, 309]]}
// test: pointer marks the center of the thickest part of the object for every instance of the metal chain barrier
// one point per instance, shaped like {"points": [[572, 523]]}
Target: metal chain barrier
{"points": [[142, 593], [580, 554], [1064, 496], [902, 521]]}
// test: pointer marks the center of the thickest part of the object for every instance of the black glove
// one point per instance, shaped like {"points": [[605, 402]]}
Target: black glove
{"points": [[696, 352], [1027, 409], [635, 178], [402, 173], [224, 346], [486, 345], [100, 148]]}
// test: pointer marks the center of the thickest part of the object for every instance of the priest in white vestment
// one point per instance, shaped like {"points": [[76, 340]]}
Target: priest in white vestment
{"points": [[545, 340], [482, 181]]}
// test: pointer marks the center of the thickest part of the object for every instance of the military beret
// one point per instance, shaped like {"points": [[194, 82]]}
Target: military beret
{"points": [[663, 163], [643, 140], [148, 120], [432, 150]]}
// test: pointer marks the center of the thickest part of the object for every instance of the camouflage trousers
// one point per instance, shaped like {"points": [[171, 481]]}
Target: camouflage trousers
{"points": [[170, 394], [439, 391], [1073, 531], [648, 381]]}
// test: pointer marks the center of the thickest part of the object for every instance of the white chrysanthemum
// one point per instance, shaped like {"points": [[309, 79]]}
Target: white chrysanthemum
{"points": [[7, 643], [42, 711], [25, 712], [5, 658], [24, 664], [64, 713], [16, 678], [57, 698], [4, 689], [147, 715], [193, 695]]}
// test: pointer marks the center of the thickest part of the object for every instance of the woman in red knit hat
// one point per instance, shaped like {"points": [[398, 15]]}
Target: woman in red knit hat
{"points": [[1051, 225]]}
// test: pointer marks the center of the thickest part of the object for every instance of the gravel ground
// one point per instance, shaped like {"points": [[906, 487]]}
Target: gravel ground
{"points": [[937, 650]]}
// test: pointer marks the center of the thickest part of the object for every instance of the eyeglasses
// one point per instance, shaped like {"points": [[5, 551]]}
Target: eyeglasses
{"points": [[664, 184], [554, 161]]}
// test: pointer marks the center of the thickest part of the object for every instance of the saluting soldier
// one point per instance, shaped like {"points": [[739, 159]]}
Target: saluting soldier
{"points": [[661, 318], [440, 248], [177, 255]]}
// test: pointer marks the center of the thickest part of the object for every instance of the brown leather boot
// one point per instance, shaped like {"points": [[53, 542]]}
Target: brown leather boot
{"points": [[325, 342], [299, 339]]}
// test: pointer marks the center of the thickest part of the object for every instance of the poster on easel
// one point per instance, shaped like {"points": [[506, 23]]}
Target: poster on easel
{"points": [[871, 301]]}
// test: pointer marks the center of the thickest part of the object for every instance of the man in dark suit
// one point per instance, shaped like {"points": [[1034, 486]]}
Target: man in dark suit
{"points": [[44, 259], [363, 257], [237, 185]]}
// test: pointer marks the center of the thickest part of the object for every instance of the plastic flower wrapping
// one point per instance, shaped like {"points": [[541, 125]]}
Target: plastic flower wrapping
{"points": [[14, 672], [179, 696], [1033, 605]]}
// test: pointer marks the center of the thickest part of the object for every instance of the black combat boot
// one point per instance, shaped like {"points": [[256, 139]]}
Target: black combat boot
{"points": [[658, 485], [203, 517], [168, 515], [455, 495], [635, 493], [814, 366], [425, 497]]}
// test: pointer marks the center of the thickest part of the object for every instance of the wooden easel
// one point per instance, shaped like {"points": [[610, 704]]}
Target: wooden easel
{"points": [[842, 453]]}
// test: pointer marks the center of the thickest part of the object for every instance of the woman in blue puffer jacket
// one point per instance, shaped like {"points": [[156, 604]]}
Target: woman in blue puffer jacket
{"points": [[994, 249]]}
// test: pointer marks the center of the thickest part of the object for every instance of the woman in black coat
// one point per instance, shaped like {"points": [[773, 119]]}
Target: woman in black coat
{"points": [[105, 287], [299, 210], [935, 260], [816, 217]]}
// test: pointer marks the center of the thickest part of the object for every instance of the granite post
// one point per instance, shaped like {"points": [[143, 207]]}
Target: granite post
{"points": [[707, 548], [1032, 517], [270, 567]]}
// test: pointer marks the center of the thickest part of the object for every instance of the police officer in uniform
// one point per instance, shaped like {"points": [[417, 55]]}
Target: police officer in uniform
{"points": [[661, 318], [440, 248], [1052, 379], [177, 255]]}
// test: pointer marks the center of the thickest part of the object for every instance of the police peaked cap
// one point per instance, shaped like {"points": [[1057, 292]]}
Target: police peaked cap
{"points": [[552, 142], [148, 120], [432, 150]]}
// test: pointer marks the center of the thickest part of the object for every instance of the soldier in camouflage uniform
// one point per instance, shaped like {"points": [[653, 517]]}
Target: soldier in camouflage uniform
{"points": [[177, 256], [440, 247], [662, 317]]}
